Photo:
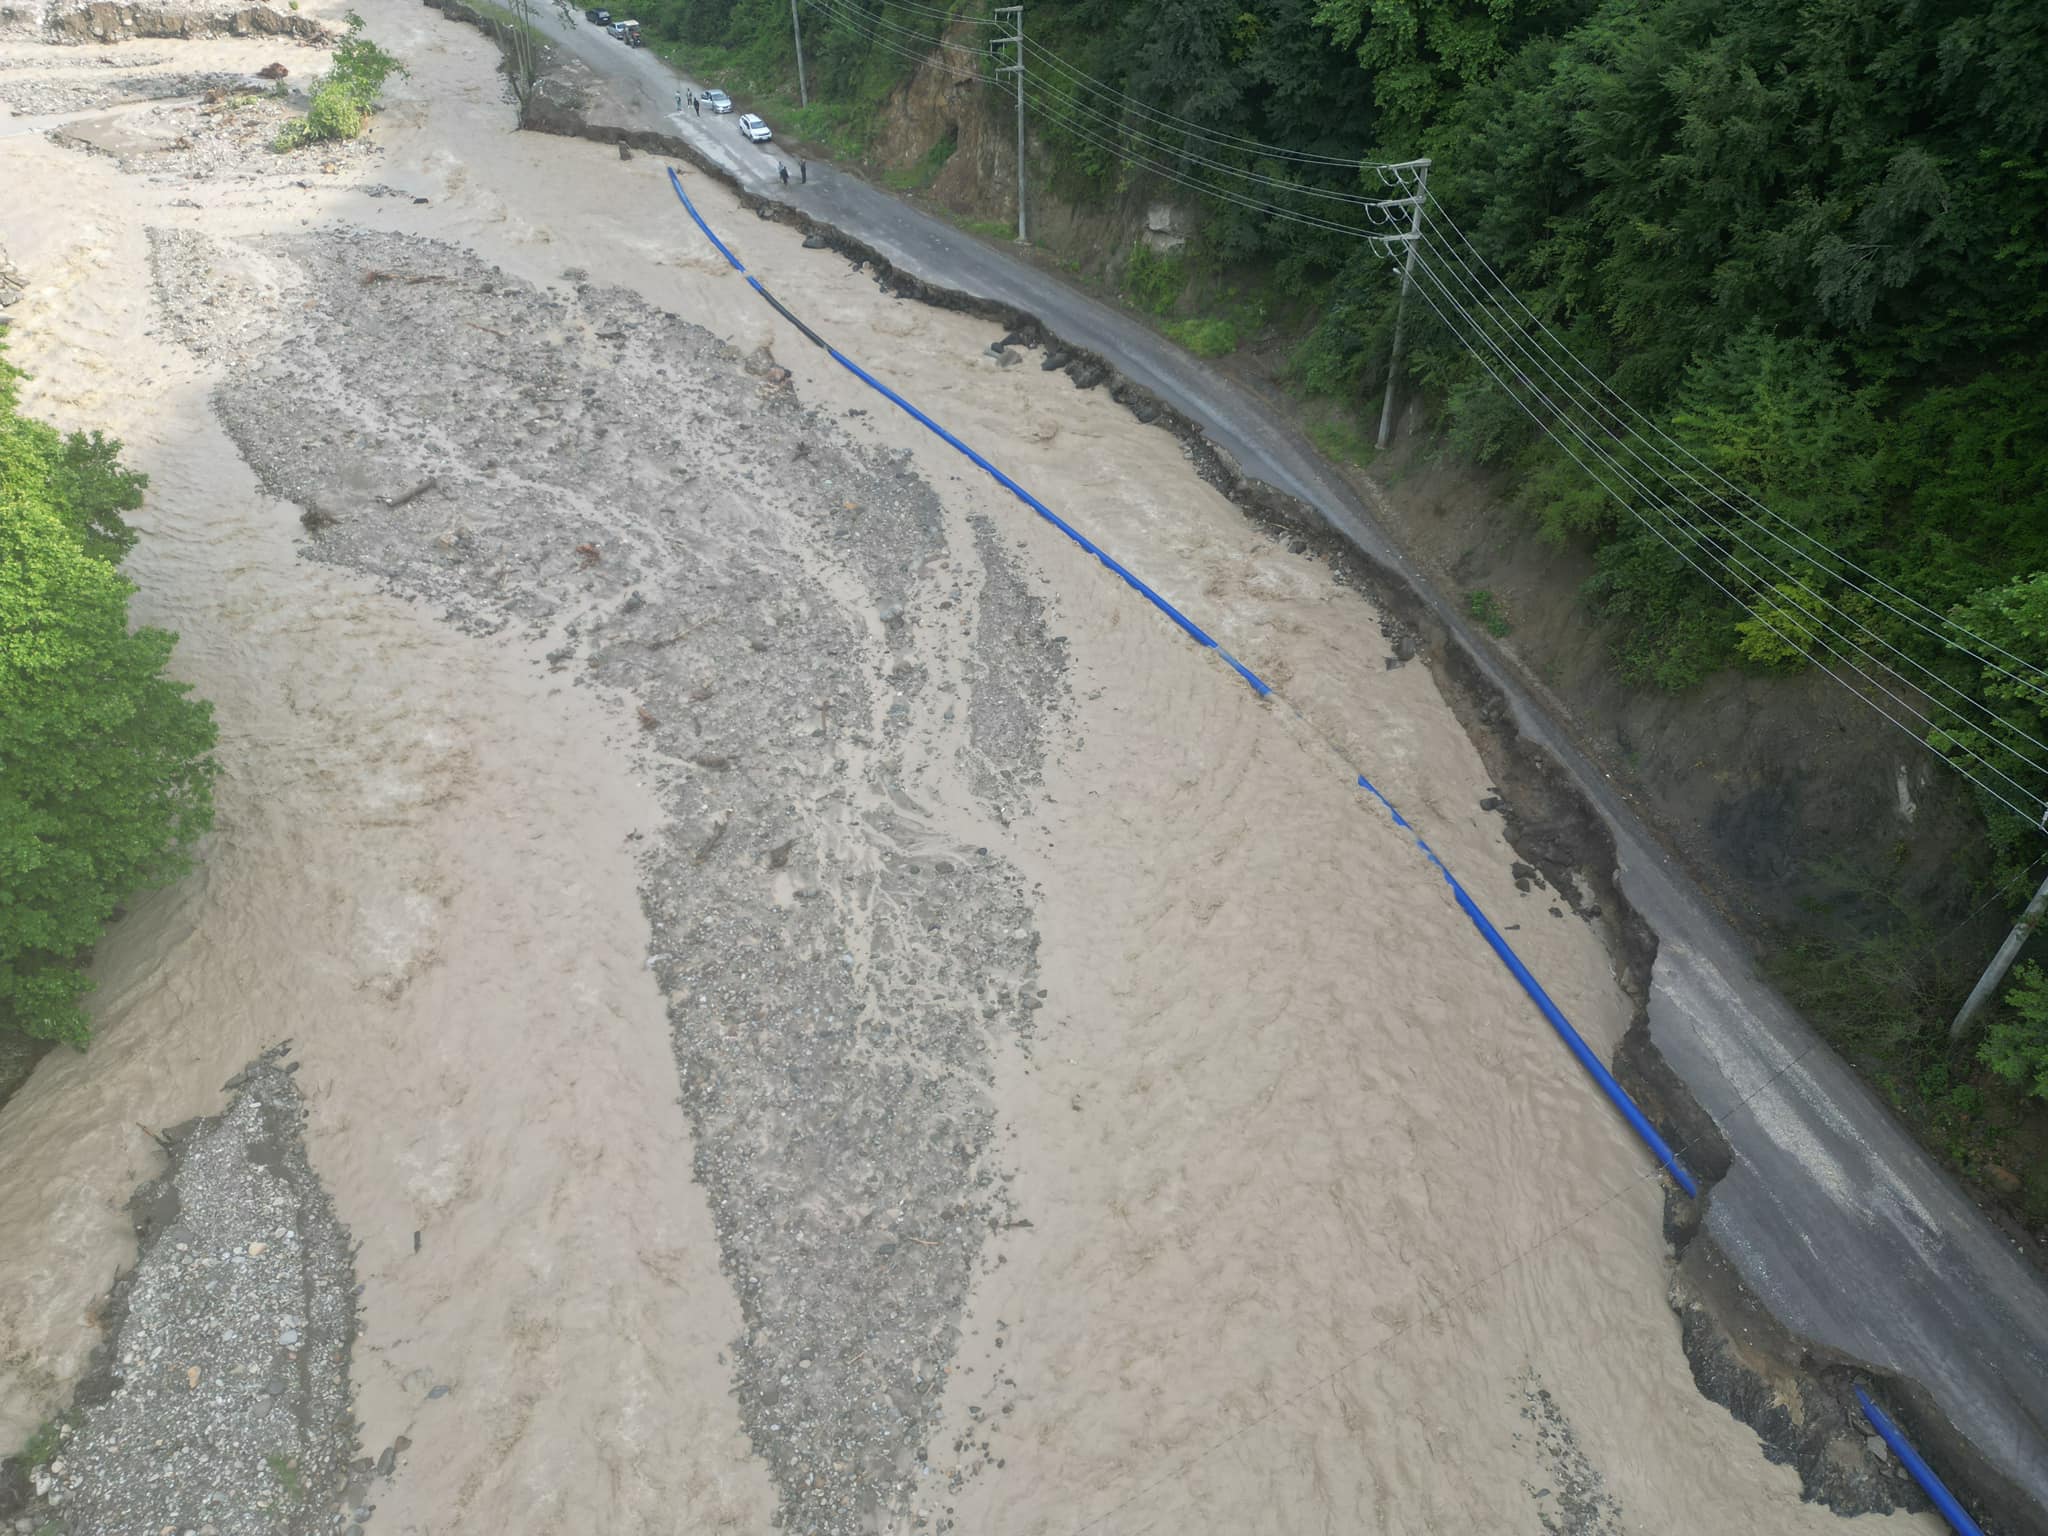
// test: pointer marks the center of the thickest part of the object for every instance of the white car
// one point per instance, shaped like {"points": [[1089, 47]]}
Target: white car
{"points": [[755, 129], [717, 101]]}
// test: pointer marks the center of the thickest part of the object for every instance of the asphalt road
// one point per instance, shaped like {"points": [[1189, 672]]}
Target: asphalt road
{"points": [[1851, 1234]]}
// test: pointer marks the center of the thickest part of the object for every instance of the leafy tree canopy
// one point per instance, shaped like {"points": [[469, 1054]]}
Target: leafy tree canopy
{"points": [[105, 778]]}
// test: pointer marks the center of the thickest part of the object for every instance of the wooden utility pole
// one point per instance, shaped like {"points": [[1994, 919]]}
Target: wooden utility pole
{"points": [[1994, 973], [1012, 16], [803, 93]]}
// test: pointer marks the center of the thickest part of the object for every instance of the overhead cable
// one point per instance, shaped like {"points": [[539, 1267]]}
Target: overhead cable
{"points": [[1480, 344], [1109, 122], [1626, 441], [1178, 123], [1949, 627]]}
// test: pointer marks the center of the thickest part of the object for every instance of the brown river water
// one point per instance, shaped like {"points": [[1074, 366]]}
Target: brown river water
{"points": [[1326, 1232]]}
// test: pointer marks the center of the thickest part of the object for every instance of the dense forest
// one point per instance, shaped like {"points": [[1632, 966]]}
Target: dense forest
{"points": [[1806, 239]]}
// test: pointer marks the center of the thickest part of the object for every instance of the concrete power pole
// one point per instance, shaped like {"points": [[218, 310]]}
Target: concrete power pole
{"points": [[803, 92], [1994, 973], [1421, 169], [1012, 16]]}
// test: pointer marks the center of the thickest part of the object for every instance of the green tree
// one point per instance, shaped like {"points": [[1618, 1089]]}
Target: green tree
{"points": [[2016, 1044], [1419, 53], [348, 93], [2014, 620], [1773, 415], [92, 490], [105, 778], [1962, 473], [1784, 624]]}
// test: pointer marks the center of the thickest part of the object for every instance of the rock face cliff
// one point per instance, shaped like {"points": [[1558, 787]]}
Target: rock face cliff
{"points": [[937, 115], [936, 106]]}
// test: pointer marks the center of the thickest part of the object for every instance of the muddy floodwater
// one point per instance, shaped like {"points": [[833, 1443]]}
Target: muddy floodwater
{"points": [[815, 1006]]}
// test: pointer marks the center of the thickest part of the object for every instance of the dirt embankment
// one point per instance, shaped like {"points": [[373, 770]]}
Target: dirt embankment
{"points": [[1802, 811]]}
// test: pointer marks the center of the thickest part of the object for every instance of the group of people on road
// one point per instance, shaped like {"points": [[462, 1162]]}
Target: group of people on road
{"points": [[803, 169]]}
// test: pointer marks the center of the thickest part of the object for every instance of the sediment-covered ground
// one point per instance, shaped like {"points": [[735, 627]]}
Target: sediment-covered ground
{"points": [[815, 1003], [220, 1398], [841, 952]]}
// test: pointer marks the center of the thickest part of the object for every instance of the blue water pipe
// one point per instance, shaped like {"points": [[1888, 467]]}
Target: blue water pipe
{"points": [[1573, 1040], [1182, 621], [1571, 1037], [1936, 1490]]}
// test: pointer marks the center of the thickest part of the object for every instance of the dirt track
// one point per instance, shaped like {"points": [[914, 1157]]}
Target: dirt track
{"points": [[643, 700]]}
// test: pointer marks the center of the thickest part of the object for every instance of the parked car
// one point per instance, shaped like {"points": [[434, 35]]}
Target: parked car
{"points": [[717, 101], [602, 18], [755, 129], [617, 29]]}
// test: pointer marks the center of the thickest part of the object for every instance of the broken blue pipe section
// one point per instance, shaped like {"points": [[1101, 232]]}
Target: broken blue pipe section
{"points": [[1936, 1490], [1188, 627], [1592, 1063], [1571, 1037], [1194, 633], [677, 182]]}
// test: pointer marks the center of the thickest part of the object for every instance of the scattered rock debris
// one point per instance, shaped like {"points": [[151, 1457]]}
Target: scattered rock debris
{"points": [[219, 1400], [1574, 1501]]}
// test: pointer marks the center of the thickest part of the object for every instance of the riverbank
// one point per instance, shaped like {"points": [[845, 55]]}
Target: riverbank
{"points": [[1042, 1136]]}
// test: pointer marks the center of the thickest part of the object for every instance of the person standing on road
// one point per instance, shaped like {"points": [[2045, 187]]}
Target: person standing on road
{"points": [[785, 172], [803, 172], [679, 101], [696, 106]]}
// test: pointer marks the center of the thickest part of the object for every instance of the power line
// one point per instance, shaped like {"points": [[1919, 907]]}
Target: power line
{"points": [[859, 19], [2032, 816], [1118, 126], [936, 13], [852, 21], [1626, 441], [1186, 125], [940, 14], [879, 28], [1622, 429], [1950, 626], [1756, 585], [1273, 210]]}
